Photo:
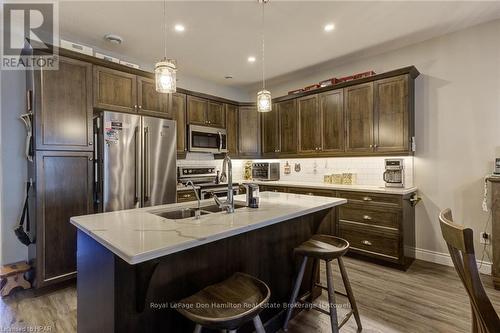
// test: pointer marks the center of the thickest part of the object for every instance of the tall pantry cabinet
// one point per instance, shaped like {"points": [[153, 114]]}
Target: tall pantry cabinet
{"points": [[61, 171]]}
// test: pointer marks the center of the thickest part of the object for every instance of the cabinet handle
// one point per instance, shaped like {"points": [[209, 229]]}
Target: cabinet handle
{"points": [[135, 106], [90, 158], [371, 146], [186, 196], [375, 146], [90, 143], [310, 193], [367, 217], [367, 199], [140, 106], [366, 242]]}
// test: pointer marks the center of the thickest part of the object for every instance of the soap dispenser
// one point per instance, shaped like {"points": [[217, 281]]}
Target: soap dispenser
{"points": [[252, 195]]}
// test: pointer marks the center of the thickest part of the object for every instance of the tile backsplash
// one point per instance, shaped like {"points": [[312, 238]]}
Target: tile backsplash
{"points": [[368, 170]]}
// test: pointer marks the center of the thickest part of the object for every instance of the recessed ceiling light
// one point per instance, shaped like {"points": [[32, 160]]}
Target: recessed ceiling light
{"points": [[251, 59], [329, 27], [115, 39], [179, 28]]}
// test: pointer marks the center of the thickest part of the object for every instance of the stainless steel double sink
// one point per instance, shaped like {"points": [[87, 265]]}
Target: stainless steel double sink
{"points": [[188, 212]]}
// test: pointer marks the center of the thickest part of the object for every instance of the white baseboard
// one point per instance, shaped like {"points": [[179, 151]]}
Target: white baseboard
{"points": [[445, 259]]}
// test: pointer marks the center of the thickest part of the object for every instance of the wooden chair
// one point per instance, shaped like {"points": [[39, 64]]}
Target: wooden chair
{"points": [[461, 246]]}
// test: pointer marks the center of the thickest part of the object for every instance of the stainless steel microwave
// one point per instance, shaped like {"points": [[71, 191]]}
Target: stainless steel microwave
{"points": [[207, 139]]}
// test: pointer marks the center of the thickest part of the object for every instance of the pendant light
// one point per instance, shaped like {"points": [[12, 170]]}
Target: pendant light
{"points": [[165, 70], [264, 103]]}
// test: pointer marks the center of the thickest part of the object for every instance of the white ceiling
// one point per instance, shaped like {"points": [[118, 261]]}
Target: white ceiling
{"points": [[220, 35]]}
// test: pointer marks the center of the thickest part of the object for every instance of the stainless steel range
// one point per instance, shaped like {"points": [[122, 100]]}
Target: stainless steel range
{"points": [[206, 177]]}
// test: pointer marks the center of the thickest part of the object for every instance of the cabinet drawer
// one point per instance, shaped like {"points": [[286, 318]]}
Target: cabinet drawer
{"points": [[183, 196], [367, 198], [371, 241], [310, 191], [264, 188], [384, 218]]}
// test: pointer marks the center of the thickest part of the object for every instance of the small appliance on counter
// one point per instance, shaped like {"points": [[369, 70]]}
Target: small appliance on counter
{"points": [[252, 195], [266, 171], [394, 174], [496, 171]]}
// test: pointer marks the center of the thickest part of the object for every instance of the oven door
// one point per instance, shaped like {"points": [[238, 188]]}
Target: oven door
{"points": [[218, 192], [207, 139]]}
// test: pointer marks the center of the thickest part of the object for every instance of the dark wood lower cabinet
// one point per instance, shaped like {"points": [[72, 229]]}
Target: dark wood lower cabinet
{"points": [[63, 188], [378, 226]]}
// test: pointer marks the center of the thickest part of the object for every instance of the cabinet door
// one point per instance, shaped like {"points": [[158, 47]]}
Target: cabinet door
{"points": [[288, 127], [63, 112], [270, 132], [391, 114], [197, 110], [177, 108], [332, 121], [232, 129], [114, 90], [151, 102], [63, 190], [216, 115], [249, 131], [309, 124], [358, 103]]}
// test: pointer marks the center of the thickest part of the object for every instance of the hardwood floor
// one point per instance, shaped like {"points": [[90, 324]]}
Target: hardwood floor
{"points": [[427, 298]]}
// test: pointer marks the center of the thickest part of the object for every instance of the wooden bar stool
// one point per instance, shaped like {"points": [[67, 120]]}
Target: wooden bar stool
{"points": [[327, 248], [227, 305]]}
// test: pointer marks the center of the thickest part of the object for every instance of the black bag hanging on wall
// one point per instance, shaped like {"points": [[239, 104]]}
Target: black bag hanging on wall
{"points": [[23, 235]]}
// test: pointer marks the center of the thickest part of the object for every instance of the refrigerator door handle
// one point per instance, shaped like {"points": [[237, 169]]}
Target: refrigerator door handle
{"points": [[146, 165], [136, 161]]}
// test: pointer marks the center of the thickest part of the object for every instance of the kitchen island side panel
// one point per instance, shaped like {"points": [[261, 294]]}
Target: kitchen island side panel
{"points": [[143, 294]]}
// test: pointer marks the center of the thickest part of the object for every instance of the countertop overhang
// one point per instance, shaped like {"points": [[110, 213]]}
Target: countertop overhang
{"points": [[137, 235]]}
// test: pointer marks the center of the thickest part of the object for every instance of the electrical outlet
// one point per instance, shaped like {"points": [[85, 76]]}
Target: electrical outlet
{"points": [[484, 238]]}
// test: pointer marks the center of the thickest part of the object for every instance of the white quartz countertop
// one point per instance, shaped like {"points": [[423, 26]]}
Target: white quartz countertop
{"points": [[137, 235], [358, 188]]}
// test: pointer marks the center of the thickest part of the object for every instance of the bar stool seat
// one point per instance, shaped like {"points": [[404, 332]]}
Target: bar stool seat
{"points": [[227, 305], [327, 248], [323, 247]]}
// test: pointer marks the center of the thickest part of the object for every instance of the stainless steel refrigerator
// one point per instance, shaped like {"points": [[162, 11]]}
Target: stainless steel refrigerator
{"points": [[135, 161]]}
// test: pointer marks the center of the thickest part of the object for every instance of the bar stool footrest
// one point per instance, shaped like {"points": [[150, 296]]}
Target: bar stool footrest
{"points": [[326, 289]]}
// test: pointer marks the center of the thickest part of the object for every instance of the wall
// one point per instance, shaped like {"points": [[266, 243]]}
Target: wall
{"points": [[369, 170], [457, 121], [13, 164]]}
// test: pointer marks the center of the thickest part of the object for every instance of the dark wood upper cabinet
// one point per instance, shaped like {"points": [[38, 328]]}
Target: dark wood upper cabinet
{"points": [[63, 190], [63, 112], [331, 105], [203, 112], [309, 124], [197, 110], [114, 90], [358, 103], [270, 132], [151, 102], [249, 131], [177, 108], [288, 130], [232, 129], [392, 115], [216, 114]]}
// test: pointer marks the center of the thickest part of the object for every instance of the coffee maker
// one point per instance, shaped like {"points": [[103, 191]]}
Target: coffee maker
{"points": [[394, 175]]}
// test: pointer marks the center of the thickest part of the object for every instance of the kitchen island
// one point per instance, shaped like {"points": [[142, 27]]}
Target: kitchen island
{"points": [[133, 265]]}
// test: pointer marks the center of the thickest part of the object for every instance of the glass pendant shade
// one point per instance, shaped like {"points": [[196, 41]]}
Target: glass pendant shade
{"points": [[165, 76], [264, 103]]}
